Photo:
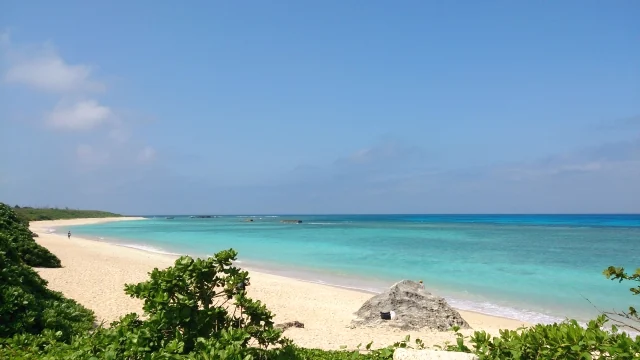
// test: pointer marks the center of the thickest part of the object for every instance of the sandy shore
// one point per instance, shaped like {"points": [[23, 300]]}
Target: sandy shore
{"points": [[94, 274]]}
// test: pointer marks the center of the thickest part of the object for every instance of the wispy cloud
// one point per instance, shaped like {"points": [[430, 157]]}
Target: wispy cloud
{"points": [[147, 154], [119, 132], [42, 69], [82, 115], [626, 123], [526, 172], [5, 40], [592, 159], [388, 152], [599, 178], [88, 155], [614, 151]]}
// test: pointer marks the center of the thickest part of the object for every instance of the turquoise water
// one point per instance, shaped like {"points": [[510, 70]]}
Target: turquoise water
{"points": [[536, 268]]}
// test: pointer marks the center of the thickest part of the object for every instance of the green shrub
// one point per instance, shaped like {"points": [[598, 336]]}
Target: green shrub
{"points": [[199, 299], [27, 306], [193, 309], [33, 254], [21, 239], [567, 340]]}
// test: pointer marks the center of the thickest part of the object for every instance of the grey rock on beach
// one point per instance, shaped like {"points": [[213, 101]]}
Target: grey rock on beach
{"points": [[415, 309], [290, 324]]}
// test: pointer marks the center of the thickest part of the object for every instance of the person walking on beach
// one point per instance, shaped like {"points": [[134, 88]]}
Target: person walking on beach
{"points": [[69, 235]]}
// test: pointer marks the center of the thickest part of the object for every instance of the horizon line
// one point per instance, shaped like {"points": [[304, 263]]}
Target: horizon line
{"points": [[388, 214]]}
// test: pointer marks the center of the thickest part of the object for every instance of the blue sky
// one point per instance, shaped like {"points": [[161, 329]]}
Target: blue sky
{"points": [[321, 107]]}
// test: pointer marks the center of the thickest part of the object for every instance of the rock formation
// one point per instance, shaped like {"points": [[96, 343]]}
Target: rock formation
{"points": [[290, 324], [415, 308]]}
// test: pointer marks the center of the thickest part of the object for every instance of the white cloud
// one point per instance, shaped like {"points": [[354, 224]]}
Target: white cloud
{"points": [[88, 155], [119, 134], [522, 173], [42, 68], [83, 115], [599, 159], [389, 152], [147, 154], [49, 72]]}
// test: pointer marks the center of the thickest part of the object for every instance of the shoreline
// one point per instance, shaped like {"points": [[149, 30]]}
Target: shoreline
{"points": [[94, 274], [42, 224], [274, 271], [459, 301]]}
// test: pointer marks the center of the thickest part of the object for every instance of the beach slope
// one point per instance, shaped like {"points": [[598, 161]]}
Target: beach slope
{"points": [[94, 274]]}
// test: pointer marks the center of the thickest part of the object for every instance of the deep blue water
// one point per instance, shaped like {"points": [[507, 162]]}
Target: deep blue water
{"points": [[530, 267]]}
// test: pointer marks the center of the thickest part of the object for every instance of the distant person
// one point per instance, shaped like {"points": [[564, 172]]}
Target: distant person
{"points": [[421, 284], [69, 235]]}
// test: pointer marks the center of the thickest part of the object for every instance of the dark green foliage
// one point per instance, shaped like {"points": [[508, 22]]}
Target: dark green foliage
{"points": [[196, 306], [193, 310], [26, 305], [33, 254], [37, 214], [20, 292], [103, 344], [199, 298], [21, 240]]}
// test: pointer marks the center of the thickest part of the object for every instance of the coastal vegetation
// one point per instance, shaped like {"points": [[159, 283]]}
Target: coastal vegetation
{"points": [[19, 239], [196, 310], [630, 318], [46, 213], [27, 306]]}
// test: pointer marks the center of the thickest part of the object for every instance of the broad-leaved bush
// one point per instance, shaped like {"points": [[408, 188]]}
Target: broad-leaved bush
{"points": [[21, 238]]}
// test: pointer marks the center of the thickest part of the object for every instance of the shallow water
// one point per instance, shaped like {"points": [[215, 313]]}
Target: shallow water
{"points": [[536, 268]]}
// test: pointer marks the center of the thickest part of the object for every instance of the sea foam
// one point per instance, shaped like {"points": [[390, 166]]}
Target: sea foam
{"points": [[146, 248]]}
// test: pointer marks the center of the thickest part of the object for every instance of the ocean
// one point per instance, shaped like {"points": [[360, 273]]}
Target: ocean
{"points": [[535, 268]]}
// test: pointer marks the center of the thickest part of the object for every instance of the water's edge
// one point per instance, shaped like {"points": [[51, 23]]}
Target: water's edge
{"points": [[349, 283]]}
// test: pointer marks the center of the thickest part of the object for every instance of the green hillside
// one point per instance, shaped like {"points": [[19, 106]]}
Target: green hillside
{"points": [[35, 214]]}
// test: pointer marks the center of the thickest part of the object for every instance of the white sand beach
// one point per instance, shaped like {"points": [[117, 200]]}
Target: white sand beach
{"points": [[94, 274]]}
